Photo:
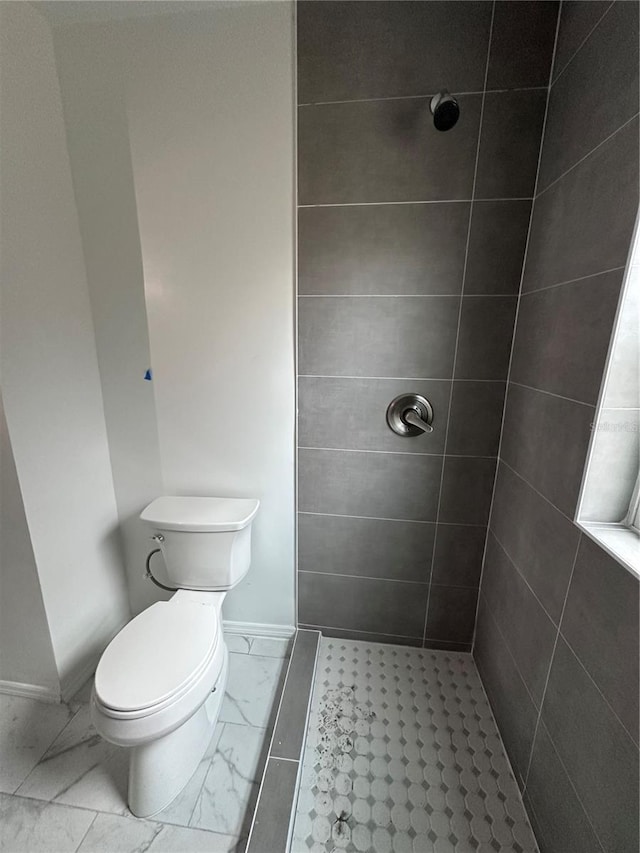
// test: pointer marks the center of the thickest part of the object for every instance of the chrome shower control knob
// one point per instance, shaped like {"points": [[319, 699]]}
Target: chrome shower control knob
{"points": [[410, 415]]}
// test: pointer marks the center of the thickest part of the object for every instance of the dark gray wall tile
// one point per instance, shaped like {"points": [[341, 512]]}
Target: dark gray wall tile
{"points": [[398, 550], [563, 336], [484, 340], [545, 439], [599, 756], [382, 485], [559, 821], [291, 724], [380, 49], [361, 604], [522, 44], [273, 811], [583, 224], [466, 490], [377, 336], [385, 151], [514, 711], [351, 413], [601, 620], [537, 537], [382, 249], [526, 628], [607, 81], [496, 246], [475, 418], [577, 19], [369, 636], [511, 130], [458, 554], [452, 613]]}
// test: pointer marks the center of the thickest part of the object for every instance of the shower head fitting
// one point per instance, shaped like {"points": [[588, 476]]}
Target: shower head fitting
{"points": [[445, 110]]}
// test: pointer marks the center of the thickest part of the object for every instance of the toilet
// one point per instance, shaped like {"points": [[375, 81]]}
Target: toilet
{"points": [[160, 682]]}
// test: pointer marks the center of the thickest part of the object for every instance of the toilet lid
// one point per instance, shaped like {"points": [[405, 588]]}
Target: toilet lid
{"points": [[156, 655]]}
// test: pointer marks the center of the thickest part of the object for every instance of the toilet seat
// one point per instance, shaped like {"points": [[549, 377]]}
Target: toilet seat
{"points": [[156, 658]]}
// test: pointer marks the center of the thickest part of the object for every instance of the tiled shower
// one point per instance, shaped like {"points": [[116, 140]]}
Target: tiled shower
{"points": [[410, 252], [416, 260]]}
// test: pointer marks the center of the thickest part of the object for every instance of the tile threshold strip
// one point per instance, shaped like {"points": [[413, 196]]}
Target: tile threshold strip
{"points": [[265, 843]]}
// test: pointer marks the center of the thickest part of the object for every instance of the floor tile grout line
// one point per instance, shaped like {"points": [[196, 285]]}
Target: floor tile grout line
{"points": [[586, 156], [74, 714], [568, 281], [419, 97], [412, 201], [570, 780], [551, 659], [381, 518], [388, 580], [517, 311], [554, 80], [464, 277], [95, 817]]}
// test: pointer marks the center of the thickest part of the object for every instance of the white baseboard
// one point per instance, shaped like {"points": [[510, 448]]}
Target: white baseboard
{"points": [[258, 629], [29, 691]]}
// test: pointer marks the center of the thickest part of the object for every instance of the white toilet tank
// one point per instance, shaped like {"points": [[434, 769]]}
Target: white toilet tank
{"points": [[205, 542]]}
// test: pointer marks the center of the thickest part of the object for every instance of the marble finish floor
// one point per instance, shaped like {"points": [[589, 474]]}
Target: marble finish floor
{"points": [[403, 756], [63, 789]]}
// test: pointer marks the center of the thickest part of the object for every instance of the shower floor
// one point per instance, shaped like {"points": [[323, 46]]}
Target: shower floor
{"points": [[403, 756]]}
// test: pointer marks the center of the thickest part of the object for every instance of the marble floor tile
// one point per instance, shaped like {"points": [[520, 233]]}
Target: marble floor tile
{"points": [[252, 689], [81, 769], [230, 789], [30, 826], [271, 647], [27, 730], [111, 833]]}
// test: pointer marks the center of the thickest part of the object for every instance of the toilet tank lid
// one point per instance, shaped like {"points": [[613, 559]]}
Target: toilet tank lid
{"points": [[201, 514]]}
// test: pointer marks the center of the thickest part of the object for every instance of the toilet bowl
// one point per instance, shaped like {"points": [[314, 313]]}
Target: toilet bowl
{"points": [[160, 682]]}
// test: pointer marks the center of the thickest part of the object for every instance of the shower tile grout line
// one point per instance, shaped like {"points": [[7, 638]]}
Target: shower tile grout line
{"points": [[398, 452], [589, 153], [308, 625], [382, 518], [515, 318], [386, 580], [571, 281], [412, 201], [464, 277], [396, 378], [419, 97], [553, 81], [406, 295], [552, 394]]}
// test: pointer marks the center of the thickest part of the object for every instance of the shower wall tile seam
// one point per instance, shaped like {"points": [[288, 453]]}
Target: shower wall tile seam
{"points": [[555, 79], [397, 378], [536, 490], [589, 405], [457, 338], [571, 782], [312, 626], [406, 296], [515, 319], [387, 579], [383, 203], [398, 452], [570, 281], [378, 518], [591, 152], [417, 97]]}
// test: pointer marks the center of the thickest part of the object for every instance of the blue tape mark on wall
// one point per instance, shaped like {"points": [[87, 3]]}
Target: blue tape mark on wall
{"points": [[148, 375]]}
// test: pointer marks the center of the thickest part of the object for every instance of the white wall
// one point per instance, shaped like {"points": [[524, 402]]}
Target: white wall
{"points": [[209, 109], [26, 655], [51, 384], [92, 66]]}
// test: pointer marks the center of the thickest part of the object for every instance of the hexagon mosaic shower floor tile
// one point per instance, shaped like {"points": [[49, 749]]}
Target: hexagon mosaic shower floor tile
{"points": [[403, 756]]}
